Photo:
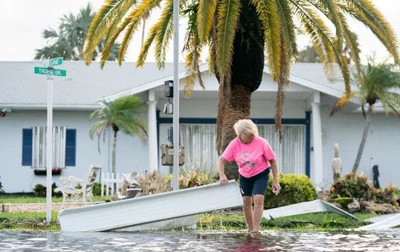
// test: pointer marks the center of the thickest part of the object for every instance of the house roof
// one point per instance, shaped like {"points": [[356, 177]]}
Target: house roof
{"points": [[85, 85], [310, 75], [81, 88]]}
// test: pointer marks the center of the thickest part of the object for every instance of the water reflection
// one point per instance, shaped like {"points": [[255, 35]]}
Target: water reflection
{"points": [[202, 241]]}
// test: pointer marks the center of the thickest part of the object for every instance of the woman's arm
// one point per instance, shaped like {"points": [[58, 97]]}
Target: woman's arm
{"points": [[221, 168], [274, 167]]}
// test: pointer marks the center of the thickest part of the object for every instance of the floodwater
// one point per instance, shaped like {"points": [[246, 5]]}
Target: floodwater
{"points": [[202, 241]]}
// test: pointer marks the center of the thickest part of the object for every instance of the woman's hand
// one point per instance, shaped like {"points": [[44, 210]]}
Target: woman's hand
{"points": [[223, 179], [276, 187]]}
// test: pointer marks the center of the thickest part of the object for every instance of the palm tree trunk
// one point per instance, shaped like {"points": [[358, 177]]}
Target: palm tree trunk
{"points": [[246, 76], [114, 159], [363, 139], [238, 108]]}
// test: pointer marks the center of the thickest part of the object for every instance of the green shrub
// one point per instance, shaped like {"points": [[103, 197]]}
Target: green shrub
{"points": [[41, 190], [97, 189], [352, 186], [294, 189], [386, 195]]}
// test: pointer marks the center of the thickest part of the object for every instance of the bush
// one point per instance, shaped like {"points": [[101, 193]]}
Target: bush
{"points": [[97, 189], [194, 179], [154, 183], [41, 190], [294, 189], [352, 186], [386, 195]]}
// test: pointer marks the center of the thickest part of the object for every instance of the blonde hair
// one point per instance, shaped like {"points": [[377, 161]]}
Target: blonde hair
{"points": [[246, 127]]}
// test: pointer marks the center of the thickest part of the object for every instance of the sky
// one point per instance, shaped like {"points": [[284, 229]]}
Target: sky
{"points": [[23, 21]]}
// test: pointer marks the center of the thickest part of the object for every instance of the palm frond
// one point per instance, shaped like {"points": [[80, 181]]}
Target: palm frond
{"points": [[164, 34], [205, 16], [101, 22], [334, 12], [269, 16], [228, 12], [320, 35], [288, 28], [193, 48], [365, 12], [283, 82]]}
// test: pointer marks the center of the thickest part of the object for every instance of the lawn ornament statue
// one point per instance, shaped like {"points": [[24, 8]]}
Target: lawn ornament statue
{"points": [[336, 163]]}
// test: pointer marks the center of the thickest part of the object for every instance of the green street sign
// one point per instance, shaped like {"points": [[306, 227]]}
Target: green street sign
{"points": [[54, 62], [55, 72]]}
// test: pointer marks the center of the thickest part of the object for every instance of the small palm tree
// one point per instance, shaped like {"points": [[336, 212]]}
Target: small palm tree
{"points": [[379, 82], [120, 114]]}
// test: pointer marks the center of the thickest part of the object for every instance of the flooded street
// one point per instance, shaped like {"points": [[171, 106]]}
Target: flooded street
{"points": [[202, 241]]}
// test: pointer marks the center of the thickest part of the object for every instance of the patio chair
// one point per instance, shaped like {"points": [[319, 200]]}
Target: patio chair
{"points": [[77, 190]]}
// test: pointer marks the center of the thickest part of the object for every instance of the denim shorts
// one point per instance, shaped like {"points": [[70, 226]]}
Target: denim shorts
{"points": [[255, 185]]}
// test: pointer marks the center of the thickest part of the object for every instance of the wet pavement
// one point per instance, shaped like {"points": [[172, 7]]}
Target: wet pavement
{"points": [[201, 241]]}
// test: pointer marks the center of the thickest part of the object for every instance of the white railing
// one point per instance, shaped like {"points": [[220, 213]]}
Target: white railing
{"points": [[107, 179]]}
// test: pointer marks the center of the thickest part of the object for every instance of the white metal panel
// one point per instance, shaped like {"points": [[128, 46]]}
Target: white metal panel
{"points": [[315, 206], [390, 221], [152, 208]]}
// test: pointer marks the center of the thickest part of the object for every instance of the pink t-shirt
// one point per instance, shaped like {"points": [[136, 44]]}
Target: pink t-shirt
{"points": [[251, 158]]}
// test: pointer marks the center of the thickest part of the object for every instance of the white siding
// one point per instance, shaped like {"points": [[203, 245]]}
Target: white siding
{"points": [[131, 152], [382, 144]]}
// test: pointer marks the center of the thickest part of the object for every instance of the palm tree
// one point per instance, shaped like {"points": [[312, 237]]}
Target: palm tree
{"points": [[120, 114], [68, 42], [380, 82], [237, 33]]}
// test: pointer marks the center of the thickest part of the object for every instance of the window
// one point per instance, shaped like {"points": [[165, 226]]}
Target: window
{"points": [[34, 147], [200, 149]]}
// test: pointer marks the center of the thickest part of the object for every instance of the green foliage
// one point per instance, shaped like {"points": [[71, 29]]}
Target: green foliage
{"points": [[386, 195], [294, 189], [68, 40], [41, 190], [359, 187], [97, 189], [352, 186]]}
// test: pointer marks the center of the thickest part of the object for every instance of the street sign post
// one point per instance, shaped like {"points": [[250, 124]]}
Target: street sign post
{"points": [[53, 62], [50, 72]]}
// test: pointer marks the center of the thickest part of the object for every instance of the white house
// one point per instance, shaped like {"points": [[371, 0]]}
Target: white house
{"points": [[308, 132]]}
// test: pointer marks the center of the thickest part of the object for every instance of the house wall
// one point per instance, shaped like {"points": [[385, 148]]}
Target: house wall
{"points": [[208, 109], [18, 178], [382, 146]]}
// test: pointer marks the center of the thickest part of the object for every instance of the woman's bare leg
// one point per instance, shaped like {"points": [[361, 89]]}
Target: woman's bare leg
{"points": [[248, 212], [258, 211]]}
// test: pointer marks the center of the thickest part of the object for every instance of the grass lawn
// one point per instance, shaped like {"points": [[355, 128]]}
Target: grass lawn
{"points": [[323, 221], [318, 221], [213, 221], [13, 199]]}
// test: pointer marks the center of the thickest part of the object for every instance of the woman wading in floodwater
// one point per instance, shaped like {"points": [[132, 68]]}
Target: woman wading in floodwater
{"points": [[255, 159]]}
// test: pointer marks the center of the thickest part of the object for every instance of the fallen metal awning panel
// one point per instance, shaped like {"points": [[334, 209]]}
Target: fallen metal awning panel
{"points": [[383, 222], [151, 208], [315, 206]]}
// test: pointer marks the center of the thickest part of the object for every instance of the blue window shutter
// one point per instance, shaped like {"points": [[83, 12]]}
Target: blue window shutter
{"points": [[27, 140], [70, 148]]}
